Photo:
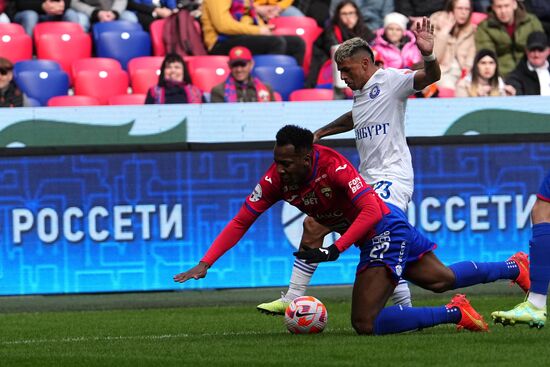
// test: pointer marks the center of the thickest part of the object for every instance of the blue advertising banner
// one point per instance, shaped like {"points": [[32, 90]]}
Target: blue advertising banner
{"points": [[130, 221]]}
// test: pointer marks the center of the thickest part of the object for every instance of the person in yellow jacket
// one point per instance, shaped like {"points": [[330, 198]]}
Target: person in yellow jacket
{"points": [[230, 23], [269, 9]]}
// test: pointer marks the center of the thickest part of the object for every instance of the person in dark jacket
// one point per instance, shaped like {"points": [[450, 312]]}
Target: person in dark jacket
{"points": [[541, 8], [532, 75], [418, 8], [10, 94], [173, 85], [148, 11], [29, 12]]}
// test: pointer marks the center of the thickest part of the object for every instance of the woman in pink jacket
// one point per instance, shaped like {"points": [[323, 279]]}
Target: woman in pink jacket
{"points": [[395, 44]]}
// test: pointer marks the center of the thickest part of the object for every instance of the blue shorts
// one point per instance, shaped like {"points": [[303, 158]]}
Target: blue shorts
{"points": [[544, 191], [395, 244]]}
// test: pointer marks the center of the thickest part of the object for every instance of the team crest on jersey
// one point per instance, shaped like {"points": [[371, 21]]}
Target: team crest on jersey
{"points": [[374, 92], [327, 191], [256, 194]]}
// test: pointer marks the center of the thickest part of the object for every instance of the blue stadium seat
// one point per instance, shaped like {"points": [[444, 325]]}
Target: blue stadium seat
{"points": [[123, 45], [42, 85], [116, 25], [274, 60], [35, 65], [283, 79]]}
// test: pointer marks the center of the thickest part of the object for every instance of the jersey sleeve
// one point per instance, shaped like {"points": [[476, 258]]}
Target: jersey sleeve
{"points": [[402, 82]]}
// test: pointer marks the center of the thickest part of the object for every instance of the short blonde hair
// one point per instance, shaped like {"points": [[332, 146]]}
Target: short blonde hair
{"points": [[350, 47]]}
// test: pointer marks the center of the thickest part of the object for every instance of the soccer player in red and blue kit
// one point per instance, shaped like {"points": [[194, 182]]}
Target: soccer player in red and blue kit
{"points": [[323, 184]]}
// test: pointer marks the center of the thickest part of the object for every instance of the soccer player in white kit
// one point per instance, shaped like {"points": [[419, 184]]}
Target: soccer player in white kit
{"points": [[378, 119]]}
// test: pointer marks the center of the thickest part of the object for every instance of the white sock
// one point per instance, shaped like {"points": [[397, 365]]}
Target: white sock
{"points": [[402, 294], [538, 300], [299, 280]]}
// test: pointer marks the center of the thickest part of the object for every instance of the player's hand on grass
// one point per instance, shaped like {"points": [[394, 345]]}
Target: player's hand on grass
{"points": [[318, 255], [196, 272]]}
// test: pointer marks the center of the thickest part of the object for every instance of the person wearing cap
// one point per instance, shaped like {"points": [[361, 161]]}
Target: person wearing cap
{"points": [[395, 44], [241, 86], [505, 31], [10, 94], [532, 75]]}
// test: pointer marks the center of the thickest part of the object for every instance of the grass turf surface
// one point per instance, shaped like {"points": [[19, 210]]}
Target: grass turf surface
{"points": [[222, 328]]}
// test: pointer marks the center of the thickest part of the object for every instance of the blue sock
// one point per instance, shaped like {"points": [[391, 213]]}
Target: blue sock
{"points": [[539, 254], [469, 273], [397, 319]]}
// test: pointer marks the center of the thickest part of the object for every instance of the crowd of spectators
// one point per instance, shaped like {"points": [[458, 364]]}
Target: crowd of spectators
{"points": [[484, 47]]}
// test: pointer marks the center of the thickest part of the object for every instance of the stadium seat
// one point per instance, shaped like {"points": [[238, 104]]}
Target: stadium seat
{"points": [[114, 26], [55, 28], [16, 47], [477, 17], [123, 45], [311, 95], [206, 78], [101, 85], [145, 63], [156, 31], [64, 48], [445, 92], [35, 65], [277, 96], [207, 61], [284, 80], [73, 101], [127, 99], [274, 60], [11, 28], [305, 27], [94, 64], [43, 85], [143, 79]]}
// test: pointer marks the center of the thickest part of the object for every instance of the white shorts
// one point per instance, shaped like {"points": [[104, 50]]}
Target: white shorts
{"points": [[394, 192]]}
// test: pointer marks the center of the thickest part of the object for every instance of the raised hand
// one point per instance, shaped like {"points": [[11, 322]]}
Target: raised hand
{"points": [[196, 272], [424, 33]]}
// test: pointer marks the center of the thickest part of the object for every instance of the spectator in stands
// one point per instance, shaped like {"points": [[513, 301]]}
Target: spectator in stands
{"points": [[541, 8], [415, 9], [230, 23], [454, 44], [241, 86], [269, 9], [3, 8], [482, 6], [148, 11], [316, 9], [484, 80], [346, 23], [10, 94], [173, 85], [505, 31], [395, 44], [29, 12], [373, 11], [94, 11], [532, 75]]}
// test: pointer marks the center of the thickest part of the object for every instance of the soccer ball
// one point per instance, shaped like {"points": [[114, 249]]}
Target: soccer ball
{"points": [[306, 315]]}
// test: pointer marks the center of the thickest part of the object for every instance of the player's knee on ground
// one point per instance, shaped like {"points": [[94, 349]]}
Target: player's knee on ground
{"points": [[314, 233], [363, 326]]}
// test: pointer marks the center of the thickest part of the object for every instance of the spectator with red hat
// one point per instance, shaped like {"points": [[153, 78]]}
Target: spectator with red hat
{"points": [[241, 86]]}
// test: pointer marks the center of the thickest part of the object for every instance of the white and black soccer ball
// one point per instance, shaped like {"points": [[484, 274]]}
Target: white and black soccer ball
{"points": [[306, 315]]}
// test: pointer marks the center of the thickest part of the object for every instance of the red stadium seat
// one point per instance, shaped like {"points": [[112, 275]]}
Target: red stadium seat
{"points": [[278, 97], [101, 85], [305, 27], [207, 61], [64, 48], [73, 101], [95, 64], [311, 95], [11, 28], [205, 78], [143, 79], [477, 17], [16, 47], [145, 63], [127, 99], [156, 31], [445, 92], [43, 28]]}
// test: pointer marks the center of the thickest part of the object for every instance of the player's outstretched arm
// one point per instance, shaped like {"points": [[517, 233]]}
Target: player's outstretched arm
{"points": [[196, 272], [424, 33], [340, 125]]}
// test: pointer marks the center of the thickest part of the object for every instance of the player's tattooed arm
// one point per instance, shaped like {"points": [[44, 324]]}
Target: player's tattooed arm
{"points": [[340, 125]]}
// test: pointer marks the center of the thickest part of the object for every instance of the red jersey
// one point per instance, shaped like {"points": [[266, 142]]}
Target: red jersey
{"points": [[335, 195]]}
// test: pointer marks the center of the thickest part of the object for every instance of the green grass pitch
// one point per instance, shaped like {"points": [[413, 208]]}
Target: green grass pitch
{"points": [[222, 328]]}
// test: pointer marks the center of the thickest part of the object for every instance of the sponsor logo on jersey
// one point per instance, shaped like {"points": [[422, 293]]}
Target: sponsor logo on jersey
{"points": [[356, 184], [374, 92], [321, 177], [256, 194], [368, 132], [310, 199], [329, 215], [327, 191], [340, 168]]}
